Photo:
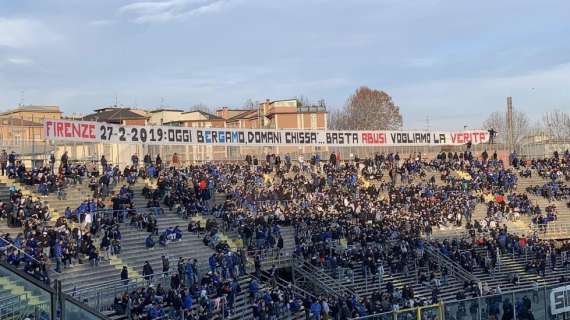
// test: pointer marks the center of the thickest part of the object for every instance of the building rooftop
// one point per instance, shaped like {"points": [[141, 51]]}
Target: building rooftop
{"points": [[207, 115], [114, 115], [165, 110], [311, 109], [233, 109], [244, 115], [281, 100], [32, 108]]}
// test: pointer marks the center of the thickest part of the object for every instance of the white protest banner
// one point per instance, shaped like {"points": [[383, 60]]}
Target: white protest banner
{"points": [[560, 300], [100, 132]]}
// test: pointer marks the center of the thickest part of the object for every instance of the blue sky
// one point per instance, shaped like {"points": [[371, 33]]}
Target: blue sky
{"points": [[454, 61]]}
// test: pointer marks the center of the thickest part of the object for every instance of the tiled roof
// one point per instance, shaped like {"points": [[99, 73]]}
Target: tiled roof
{"points": [[114, 115], [244, 115], [32, 109], [207, 115]]}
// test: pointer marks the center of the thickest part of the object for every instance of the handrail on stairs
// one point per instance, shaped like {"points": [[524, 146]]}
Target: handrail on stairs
{"points": [[313, 277], [313, 273], [10, 245], [120, 282], [285, 284], [457, 269], [552, 227]]}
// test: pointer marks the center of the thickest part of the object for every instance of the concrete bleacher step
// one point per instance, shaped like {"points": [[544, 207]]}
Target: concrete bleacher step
{"points": [[11, 286], [366, 286], [134, 254]]}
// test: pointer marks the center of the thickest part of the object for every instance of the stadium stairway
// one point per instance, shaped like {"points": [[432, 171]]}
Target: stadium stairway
{"points": [[510, 264], [74, 195], [559, 228], [5, 196], [366, 286], [17, 301], [287, 232], [139, 200], [134, 254], [243, 307], [322, 281]]}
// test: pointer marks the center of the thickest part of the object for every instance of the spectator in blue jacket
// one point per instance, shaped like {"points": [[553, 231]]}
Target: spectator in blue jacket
{"points": [[58, 253], [316, 310], [212, 262], [188, 302], [190, 275], [149, 242], [155, 311]]}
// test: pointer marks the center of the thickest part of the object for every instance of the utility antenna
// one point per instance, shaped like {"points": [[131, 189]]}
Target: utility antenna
{"points": [[428, 127], [116, 100], [162, 102], [22, 97]]}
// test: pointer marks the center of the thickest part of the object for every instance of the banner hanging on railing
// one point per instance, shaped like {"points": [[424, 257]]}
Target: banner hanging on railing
{"points": [[100, 132], [560, 300]]}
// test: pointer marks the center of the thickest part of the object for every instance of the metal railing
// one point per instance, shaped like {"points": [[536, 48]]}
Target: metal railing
{"points": [[320, 278], [101, 297], [116, 283], [552, 228], [454, 267], [4, 250], [509, 305], [43, 302], [429, 312], [286, 285], [272, 256]]}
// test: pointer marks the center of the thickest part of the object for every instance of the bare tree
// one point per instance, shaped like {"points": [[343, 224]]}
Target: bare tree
{"points": [[303, 100], [557, 124], [250, 104], [336, 119], [498, 121], [367, 109], [201, 107]]}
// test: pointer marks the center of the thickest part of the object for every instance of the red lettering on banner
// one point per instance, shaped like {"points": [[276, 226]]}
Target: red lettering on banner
{"points": [[464, 137], [456, 138], [59, 129], [76, 129], [65, 129], [67, 132], [84, 132], [48, 126], [373, 137], [91, 131]]}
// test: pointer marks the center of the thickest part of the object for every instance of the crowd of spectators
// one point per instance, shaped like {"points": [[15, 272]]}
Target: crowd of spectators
{"points": [[387, 200]]}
